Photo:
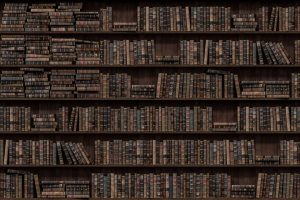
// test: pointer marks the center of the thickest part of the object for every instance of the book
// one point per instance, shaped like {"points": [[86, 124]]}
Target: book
{"points": [[295, 85], [297, 50]]}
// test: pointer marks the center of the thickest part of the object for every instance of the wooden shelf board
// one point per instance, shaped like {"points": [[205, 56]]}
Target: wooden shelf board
{"points": [[153, 66], [150, 33], [105, 133], [149, 99], [149, 166], [151, 198]]}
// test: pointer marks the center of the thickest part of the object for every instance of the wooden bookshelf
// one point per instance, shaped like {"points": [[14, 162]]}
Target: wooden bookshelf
{"points": [[166, 44]]}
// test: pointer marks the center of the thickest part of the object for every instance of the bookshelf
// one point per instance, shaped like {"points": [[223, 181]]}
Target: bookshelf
{"points": [[179, 122]]}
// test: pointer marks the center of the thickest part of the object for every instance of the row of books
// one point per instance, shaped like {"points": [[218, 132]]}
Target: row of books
{"points": [[213, 84], [88, 83], [170, 152], [222, 84], [91, 83], [192, 185], [45, 50], [43, 152], [54, 17], [278, 18], [144, 119], [70, 17], [289, 152], [233, 52], [24, 184], [16, 184], [259, 119], [160, 185], [64, 83], [217, 18], [278, 185], [149, 119], [145, 152]]}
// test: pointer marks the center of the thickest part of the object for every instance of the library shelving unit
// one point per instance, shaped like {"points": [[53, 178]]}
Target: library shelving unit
{"points": [[166, 43]]}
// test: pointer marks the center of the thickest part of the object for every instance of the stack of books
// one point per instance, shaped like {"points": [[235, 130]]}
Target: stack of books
{"points": [[62, 83], [12, 50], [37, 50], [13, 17], [63, 51]]}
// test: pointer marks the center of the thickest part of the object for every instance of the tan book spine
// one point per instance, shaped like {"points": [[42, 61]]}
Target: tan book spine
{"points": [[188, 22], [287, 114], [233, 53], [6, 152], [206, 53], [247, 119], [147, 18]]}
